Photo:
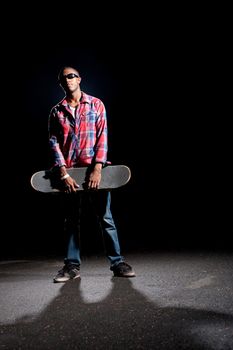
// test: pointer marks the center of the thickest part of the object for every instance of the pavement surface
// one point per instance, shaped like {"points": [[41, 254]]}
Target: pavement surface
{"points": [[178, 300]]}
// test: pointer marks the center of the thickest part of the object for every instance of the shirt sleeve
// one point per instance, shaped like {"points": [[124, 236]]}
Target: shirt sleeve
{"points": [[53, 129], [101, 147]]}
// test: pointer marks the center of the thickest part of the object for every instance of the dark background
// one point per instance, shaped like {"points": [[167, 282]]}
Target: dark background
{"points": [[162, 124]]}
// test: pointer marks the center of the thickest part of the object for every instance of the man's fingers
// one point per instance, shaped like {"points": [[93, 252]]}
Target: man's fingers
{"points": [[93, 185], [76, 185]]}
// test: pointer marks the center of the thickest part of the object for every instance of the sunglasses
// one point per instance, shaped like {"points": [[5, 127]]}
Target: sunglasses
{"points": [[69, 76]]}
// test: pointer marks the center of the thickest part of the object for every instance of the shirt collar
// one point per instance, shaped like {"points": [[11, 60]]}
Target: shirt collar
{"points": [[84, 99]]}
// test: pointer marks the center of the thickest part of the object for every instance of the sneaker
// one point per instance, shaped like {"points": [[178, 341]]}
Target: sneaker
{"points": [[67, 272], [122, 270]]}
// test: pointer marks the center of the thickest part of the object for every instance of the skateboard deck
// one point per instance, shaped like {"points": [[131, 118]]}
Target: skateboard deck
{"points": [[112, 176]]}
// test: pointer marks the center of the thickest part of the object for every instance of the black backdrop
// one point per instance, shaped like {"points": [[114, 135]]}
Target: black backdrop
{"points": [[159, 125]]}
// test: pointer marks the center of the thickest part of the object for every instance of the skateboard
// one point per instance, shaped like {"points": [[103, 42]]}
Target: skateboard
{"points": [[112, 176]]}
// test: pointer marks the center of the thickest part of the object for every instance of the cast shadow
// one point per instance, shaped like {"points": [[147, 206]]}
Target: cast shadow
{"points": [[124, 319]]}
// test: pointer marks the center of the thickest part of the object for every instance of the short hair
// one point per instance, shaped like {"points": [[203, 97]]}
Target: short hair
{"points": [[60, 74]]}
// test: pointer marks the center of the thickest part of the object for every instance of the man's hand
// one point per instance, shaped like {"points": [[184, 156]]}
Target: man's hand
{"points": [[95, 177], [70, 185]]}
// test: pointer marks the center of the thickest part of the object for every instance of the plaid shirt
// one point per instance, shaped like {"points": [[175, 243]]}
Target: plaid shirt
{"points": [[81, 139]]}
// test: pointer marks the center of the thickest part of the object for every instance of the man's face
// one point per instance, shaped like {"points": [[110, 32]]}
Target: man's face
{"points": [[70, 80]]}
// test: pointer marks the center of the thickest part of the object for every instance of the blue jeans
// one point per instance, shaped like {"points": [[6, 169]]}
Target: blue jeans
{"points": [[101, 201]]}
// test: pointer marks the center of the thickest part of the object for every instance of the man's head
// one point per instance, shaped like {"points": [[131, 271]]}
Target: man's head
{"points": [[69, 78]]}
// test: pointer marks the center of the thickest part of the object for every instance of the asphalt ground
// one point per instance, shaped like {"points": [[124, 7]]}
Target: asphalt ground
{"points": [[178, 300]]}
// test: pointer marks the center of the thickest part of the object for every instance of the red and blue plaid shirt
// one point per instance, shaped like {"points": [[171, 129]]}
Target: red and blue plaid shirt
{"points": [[79, 139]]}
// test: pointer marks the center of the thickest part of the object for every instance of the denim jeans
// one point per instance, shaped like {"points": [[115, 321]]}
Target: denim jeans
{"points": [[101, 202]]}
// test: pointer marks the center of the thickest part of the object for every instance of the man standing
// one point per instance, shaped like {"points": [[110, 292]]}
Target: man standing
{"points": [[78, 137]]}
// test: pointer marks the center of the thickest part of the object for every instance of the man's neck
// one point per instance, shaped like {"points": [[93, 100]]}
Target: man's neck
{"points": [[73, 99]]}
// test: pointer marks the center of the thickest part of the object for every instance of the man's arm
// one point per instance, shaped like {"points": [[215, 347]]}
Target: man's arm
{"points": [[101, 146], [56, 153]]}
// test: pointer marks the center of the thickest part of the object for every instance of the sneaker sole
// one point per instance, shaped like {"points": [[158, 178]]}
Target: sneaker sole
{"points": [[73, 278], [64, 279], [131, 274]]}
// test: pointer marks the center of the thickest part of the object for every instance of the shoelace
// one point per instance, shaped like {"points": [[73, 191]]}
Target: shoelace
{"points": [[123, 266], [63, 270]]}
